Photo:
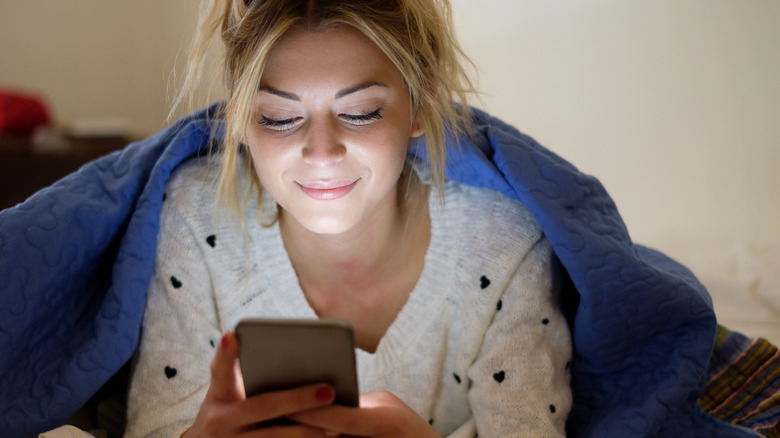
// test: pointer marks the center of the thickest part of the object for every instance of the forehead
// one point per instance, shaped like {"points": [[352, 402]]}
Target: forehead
{"points": [[338, 55]]}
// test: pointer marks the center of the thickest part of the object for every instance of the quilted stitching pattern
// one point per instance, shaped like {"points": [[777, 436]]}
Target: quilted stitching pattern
{"points": [[75, 263], [76, 258]]}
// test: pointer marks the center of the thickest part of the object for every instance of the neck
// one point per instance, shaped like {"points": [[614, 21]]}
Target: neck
{"points": [[363, 276]]}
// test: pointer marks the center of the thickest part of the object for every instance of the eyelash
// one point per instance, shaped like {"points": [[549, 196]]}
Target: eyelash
{"points": [[363, 119], [288, 124], [278, 124]]}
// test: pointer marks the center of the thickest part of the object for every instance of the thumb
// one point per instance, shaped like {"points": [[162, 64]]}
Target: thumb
{"points": [[226, 381]]}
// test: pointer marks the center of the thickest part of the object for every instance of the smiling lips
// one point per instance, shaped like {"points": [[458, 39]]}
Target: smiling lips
{"points": [[328, 191]]}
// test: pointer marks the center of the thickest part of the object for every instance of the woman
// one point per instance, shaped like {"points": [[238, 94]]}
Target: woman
{"points": [[452, 290]]}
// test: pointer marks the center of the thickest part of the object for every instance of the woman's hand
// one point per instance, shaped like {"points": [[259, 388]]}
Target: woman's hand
{"points": [[381, 414], [227, 412]]}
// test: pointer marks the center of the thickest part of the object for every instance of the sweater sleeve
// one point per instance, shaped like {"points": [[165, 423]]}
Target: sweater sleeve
{"points": [[179, 334], [520, 379]]}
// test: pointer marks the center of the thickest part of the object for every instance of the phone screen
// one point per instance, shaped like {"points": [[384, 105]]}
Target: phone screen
{"points": [[279, 354]]}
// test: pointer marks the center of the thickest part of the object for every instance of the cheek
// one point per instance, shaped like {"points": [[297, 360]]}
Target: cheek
{"points": [[267, 159], [396, 146], [383, 151], [268, 147]]}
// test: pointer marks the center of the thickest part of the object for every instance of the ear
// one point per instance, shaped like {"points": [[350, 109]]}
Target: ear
{"points": [[418, 128]]}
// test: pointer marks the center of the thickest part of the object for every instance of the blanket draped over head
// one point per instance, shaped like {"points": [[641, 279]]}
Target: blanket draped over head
{"points": [[76, 261]]}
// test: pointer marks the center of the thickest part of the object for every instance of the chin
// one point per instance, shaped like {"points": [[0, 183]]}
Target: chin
{"points": [[328, 225]]}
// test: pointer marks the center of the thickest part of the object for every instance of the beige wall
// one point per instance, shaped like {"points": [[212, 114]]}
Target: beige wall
{"points": [[96, 59], [671, 103]]}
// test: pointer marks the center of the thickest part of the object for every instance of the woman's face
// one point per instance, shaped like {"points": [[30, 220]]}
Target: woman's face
{"points": [[331, 129]]}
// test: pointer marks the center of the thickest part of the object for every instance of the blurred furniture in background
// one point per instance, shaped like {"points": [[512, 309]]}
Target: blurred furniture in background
{"points": [[26, 168], [34, 155]]}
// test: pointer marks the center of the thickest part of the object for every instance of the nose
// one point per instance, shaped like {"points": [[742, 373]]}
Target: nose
{"points": [[323, 146]]}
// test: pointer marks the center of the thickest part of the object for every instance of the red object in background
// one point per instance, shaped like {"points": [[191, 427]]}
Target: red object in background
{"points": [[21, 113]]}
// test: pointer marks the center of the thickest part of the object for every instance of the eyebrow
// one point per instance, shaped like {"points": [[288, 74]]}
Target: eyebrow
{"points": [[339, 95], [359, 87]]}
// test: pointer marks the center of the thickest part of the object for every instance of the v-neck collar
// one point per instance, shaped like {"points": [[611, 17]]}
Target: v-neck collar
{"points": [[435, 283]]}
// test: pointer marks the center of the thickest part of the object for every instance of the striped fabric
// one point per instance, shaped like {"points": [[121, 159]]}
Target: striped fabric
{"points": [[744, 383]]}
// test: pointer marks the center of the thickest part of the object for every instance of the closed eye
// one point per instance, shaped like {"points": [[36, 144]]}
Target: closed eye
{"points": [[293, 122], [362, 119], [279, 124]]}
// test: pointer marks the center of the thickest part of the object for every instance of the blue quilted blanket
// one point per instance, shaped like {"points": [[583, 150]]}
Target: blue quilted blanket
{"points": [[76, 259]]}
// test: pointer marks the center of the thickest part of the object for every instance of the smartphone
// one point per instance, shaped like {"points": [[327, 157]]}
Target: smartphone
{"points": [[279, 354]]}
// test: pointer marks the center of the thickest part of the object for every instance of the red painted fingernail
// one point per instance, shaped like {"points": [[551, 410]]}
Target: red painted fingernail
{"points": [[324, 394], [224, 342]]}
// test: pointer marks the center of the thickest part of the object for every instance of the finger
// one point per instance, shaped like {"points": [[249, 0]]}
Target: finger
{"points": [[379, 398], [337, 419], [277, 404], [380, 413], [225, 374], [293, 431]]}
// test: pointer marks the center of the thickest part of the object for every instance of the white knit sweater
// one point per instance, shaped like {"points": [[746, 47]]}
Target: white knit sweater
{"points": [[480, 339]]}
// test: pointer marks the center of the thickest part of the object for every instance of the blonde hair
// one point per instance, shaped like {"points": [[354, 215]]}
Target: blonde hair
{"points": [[416, 35]]}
